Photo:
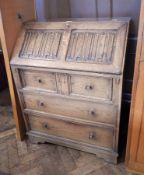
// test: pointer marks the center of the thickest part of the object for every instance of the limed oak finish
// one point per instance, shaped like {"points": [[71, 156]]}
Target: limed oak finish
{"points": [[69, 80]]}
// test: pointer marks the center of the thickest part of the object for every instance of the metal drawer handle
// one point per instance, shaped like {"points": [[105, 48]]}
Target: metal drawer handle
{"points": [[92, 135], [39, 80], [89, 87], [68, 24], [41, 104], [93, 113], [45, 125]]}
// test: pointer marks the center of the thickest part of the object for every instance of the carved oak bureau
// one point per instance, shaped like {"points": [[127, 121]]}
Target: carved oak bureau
{"points": [[68, 76]]}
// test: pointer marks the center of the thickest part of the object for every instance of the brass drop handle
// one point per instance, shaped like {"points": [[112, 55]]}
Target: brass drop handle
{"points": [[92, 135], [89, 87], [45, 125]]}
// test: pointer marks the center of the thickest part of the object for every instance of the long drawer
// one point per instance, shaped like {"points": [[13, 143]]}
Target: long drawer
{"points": [[96, 87], [104, 113], [90, 134]]}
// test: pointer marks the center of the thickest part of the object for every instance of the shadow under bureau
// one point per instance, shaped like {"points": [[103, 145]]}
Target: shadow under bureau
{"points": [[68, 76]]}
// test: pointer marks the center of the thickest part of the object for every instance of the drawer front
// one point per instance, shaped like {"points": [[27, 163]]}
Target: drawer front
{"points": [[85, 133], [103, 113], [94, 87], [38, 79]]}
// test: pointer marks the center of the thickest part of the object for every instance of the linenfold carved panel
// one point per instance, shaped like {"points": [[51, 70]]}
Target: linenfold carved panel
{"points": [[92, 46], [42, 44]]}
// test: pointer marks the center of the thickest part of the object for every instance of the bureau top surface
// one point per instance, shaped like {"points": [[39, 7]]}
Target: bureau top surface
{"points": [[97, 46]]}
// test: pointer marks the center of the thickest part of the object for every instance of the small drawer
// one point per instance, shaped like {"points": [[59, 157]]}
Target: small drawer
{"points": [[104, 113], [38, 80], [93, 87], [95, 135]]}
